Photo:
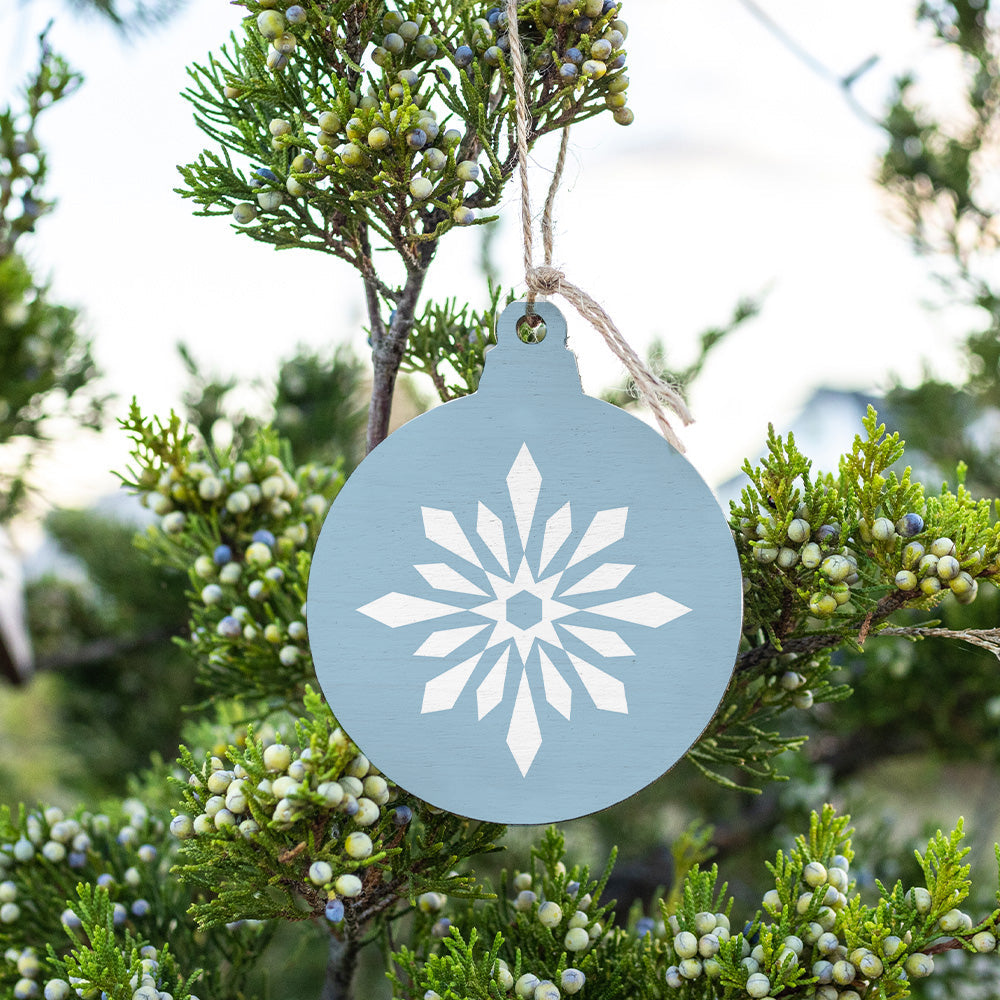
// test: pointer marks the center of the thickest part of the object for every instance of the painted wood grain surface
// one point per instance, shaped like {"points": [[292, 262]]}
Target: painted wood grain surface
{"points": [[524, 605]]}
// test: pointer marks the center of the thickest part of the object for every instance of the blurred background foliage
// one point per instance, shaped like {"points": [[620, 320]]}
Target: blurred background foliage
{"points": [[918, 741]]}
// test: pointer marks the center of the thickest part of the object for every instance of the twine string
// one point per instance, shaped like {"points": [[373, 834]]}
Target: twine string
{"points": [[549, 280]]}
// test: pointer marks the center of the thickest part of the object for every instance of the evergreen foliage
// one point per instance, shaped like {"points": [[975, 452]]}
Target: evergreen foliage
{"points": [[46, 366], [272, 817]]}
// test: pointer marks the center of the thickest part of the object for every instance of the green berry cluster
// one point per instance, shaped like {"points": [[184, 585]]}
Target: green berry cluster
{"points": [[586, 46], [344, 117], [267, 785], [313, 831], [45, 844], [814, 936], [47, 857], [843, 545], [104, 963], [243, 530], [551, 938], [695, 950]]}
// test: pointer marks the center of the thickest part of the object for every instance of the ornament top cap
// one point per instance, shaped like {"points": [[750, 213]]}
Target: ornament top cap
{"points": [[543, 364]]}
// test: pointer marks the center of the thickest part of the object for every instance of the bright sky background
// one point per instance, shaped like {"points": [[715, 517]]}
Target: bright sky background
{"points": [[743, 171]]}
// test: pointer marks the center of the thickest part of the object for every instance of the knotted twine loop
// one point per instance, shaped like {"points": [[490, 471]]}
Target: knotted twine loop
{"points": [[548, 280]]}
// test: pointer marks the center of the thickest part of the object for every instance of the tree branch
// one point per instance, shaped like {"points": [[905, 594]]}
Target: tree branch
{"points": [[843, 83], [387, 355], [341, 964], [816, 641]]}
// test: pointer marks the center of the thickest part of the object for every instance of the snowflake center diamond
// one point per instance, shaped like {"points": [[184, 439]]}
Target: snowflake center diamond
{"points": [[519, 610], [524, 610]]}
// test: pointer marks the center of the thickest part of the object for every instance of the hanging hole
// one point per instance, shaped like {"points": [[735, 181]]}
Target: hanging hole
{"points": [[531, 329]]}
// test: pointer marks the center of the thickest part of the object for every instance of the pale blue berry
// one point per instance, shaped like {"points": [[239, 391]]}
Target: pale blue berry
{"points": [[425, 47], [394, 42], [919, 966], [942, 547], [368, 812], [352, 155], [349, 886], [463, 56], [402, 815], [799, 530], [296, 14], [572, 981], [334, 911], [948, 568], [379, 138], [601, 49], [277, 757], [421, 188], [320, 873], [182, 827], [332, 792], [430, 902], [463, 216], [434, 159], [984, 942], [204, 567], [358, 845], [229, 628], [54, 851], [238, 502], [174, 522], [57, 989], [222, 555], [526, 985]]}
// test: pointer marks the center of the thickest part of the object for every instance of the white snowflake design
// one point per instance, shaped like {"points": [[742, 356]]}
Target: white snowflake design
{"points": [[525, 609]]}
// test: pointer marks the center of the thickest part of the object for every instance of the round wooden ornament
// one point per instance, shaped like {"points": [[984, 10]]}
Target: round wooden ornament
{"points": [[524, 605]]}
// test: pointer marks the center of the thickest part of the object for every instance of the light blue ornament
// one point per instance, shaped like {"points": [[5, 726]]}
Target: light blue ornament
{"points": [[520, 584]]}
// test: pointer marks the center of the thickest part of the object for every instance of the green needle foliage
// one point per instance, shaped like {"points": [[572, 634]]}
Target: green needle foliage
{"points": [[46, 367]]}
